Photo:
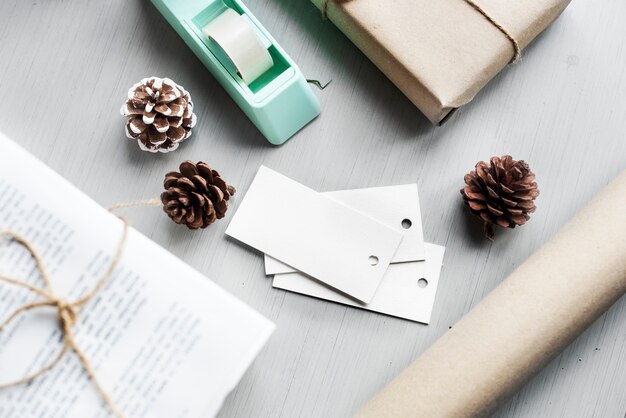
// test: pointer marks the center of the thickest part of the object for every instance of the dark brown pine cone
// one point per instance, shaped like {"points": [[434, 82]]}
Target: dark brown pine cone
{"points": [[196, 196], [501, 192], [160, 114]]}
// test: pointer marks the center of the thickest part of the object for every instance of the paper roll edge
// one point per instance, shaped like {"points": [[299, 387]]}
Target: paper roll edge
{"points": [[522, 324]]}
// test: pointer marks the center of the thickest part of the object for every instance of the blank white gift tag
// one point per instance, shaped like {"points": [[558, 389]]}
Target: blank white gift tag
{"points": [[407, 290], [315, 234], [396, 206]]}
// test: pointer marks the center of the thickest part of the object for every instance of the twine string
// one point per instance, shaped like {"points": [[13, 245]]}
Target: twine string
{"points": [[325, 9], [155, 201], [67, 313], [517, 50]]}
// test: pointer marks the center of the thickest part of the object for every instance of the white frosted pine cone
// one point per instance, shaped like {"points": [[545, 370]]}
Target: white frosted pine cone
{"points": [[160, 114]]}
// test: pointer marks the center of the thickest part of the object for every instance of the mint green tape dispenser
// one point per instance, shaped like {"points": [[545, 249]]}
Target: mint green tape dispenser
{"points": [[261, 78]]}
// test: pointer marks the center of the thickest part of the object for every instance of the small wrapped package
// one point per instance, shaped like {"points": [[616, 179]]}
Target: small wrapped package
{"points": [[441, 53]]}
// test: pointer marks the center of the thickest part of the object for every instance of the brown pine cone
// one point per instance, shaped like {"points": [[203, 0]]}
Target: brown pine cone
{"points": [[500, 193], [160, 114], [196, 196]]}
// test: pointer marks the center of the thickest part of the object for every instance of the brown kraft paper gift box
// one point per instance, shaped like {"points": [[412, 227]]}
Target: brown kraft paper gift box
{"points": [[440, 53]]}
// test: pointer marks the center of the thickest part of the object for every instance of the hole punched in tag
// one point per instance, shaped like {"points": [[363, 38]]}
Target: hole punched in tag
{"points": [[406, 223], [373, 260], [422, 282]]}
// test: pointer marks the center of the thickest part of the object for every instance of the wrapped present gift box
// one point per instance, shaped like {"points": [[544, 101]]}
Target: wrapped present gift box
{"points": [[441, 53]]}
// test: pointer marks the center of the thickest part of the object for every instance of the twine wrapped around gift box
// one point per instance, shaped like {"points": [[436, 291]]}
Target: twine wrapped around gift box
{"points": [[440, 54], [517, 52]]}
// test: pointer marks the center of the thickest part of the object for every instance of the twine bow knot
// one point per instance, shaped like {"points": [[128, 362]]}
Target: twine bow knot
{"points": [[67, 313]]}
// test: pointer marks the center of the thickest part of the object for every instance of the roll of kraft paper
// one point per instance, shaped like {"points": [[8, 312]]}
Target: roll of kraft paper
{"points": [[520, 326]]}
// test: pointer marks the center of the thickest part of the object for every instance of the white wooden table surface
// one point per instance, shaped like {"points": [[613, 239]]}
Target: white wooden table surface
{"points": [[65, 67]]}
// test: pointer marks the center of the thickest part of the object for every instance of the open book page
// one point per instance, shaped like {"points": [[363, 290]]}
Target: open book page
{"points": [[163, 340]]}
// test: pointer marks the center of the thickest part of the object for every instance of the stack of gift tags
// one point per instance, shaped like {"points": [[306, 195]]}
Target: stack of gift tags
{"points": [[363, 247]]}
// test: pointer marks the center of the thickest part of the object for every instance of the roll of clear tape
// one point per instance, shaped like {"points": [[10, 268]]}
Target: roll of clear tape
{"points": [[521, 325], [241, 44]]}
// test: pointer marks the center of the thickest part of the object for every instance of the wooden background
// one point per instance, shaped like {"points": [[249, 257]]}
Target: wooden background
{"points": [[65, 67]]}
